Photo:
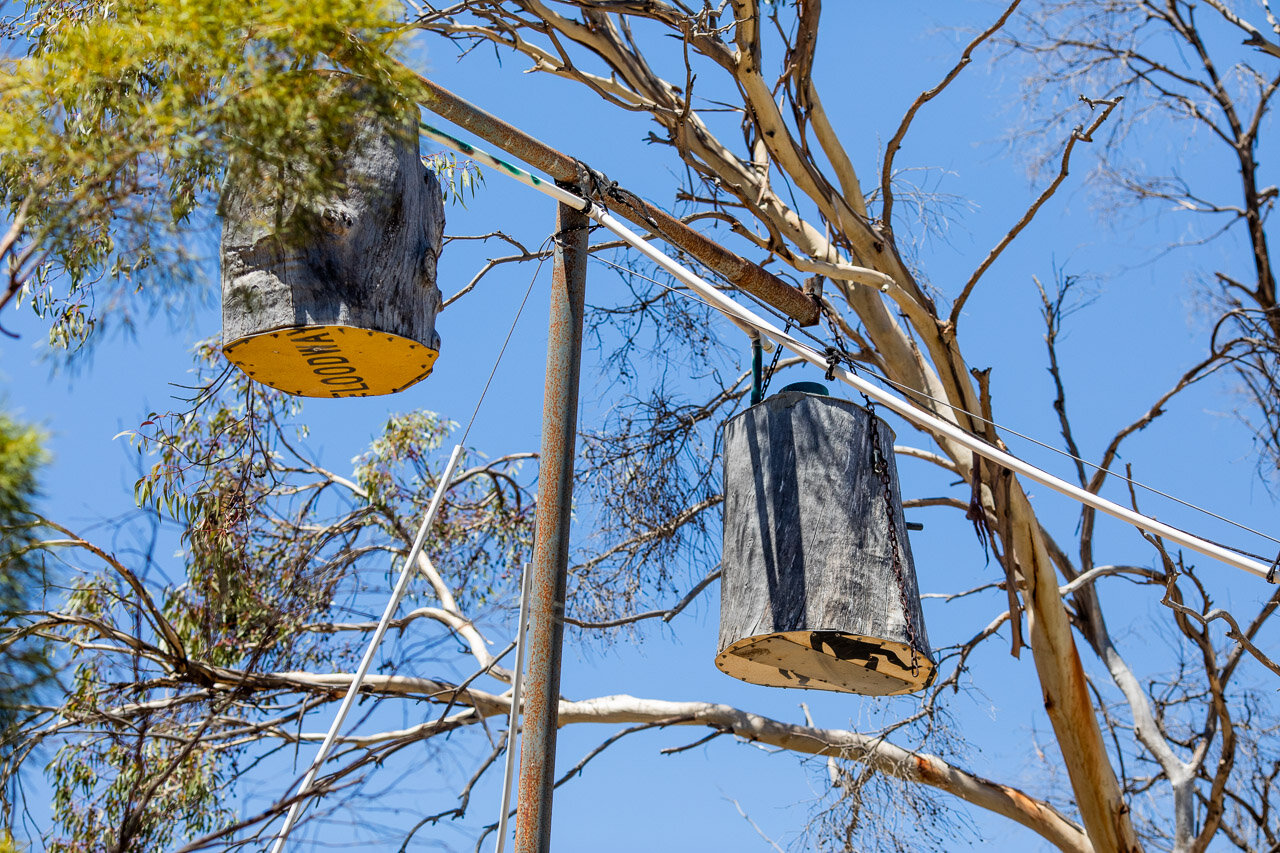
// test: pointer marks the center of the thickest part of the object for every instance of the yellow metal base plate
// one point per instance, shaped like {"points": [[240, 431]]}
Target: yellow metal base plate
{"points": [[827, 660], [331, 361]]}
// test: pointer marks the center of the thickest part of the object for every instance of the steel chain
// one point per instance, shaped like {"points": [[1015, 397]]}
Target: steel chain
{"points": [[880, 467], [773, 365], [838, 352]]}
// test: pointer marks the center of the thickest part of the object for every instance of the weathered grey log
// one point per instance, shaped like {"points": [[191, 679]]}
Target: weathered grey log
{"points": [[809, 596], [336, 295]]}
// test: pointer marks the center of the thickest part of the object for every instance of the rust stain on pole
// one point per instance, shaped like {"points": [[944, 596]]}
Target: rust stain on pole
{"points": [[494, 130], [743, 274], [551, 550]]}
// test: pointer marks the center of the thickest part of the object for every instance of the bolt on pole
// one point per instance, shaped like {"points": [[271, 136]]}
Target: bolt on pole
{"points": [[551, 536]]}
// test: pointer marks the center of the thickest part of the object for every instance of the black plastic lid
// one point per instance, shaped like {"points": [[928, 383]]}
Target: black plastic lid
{"points": [[807, 388]]}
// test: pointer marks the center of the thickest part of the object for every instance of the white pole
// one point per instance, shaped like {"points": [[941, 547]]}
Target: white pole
{"points": [[743, 316], [402, 585], [929, 421], [514, 718]]}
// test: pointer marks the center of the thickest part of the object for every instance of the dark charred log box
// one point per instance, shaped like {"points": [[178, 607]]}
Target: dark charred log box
{"points": [[810, 596], [336, 296]]}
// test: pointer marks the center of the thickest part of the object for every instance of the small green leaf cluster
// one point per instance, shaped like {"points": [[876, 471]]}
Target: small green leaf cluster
{"points": [[458, 178], [483, 531], [23, 660], [123, 117], [406, 444]]}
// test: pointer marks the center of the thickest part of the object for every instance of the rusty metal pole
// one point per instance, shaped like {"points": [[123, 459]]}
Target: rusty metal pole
{"points": [[740, 272], [551, 549]]}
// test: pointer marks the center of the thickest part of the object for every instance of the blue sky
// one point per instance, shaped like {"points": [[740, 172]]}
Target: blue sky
{"points": [[1138, 334]]}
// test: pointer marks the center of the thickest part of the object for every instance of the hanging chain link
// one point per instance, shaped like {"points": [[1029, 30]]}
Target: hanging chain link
{"points": [[880, 467], [773, 365], [837, 354]]}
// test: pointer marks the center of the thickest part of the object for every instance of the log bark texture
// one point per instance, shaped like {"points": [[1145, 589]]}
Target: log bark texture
{"points": [[364, 258], [360, 257], [810, 596]]}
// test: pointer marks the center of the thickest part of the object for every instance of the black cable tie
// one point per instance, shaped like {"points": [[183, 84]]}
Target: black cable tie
{"points": [[833, 359], [1271, 573], [589, 182]]}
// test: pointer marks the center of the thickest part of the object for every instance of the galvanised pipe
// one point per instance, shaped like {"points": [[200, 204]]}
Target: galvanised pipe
{"points": [[551, 532], [741, 272]]}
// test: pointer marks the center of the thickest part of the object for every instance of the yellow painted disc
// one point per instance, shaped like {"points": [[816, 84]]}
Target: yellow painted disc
{"points": [[332, 361]]}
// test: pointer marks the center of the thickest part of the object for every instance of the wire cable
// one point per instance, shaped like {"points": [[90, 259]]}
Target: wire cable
{"points": [[397, 594], [511, 331], [905, 389]]}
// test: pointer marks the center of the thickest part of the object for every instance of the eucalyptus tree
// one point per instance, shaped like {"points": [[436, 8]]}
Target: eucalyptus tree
{"points": [[181, 687], [25, 665], [1206, 73]]}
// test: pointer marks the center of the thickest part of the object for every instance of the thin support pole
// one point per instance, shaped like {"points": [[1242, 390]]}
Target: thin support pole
{"points": [[513, 719], [402, 585], [551, 549]]}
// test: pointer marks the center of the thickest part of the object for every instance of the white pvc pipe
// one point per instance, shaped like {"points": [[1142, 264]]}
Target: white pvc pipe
{"points": [[742, 316], [513, 719], [531, 180], [402, 585]]}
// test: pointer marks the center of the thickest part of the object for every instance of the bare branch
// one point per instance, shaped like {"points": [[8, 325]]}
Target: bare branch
{"points": [[1080, 134], [895, 141], [666, 615], [1255, 36]]}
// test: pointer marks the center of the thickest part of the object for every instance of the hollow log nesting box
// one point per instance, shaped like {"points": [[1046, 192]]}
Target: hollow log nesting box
{"points": [[335, 295], [811, 595]]}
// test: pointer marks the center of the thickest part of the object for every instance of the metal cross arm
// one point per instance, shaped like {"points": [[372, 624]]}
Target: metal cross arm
{"points": [[744, 274], [745, 318]]}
